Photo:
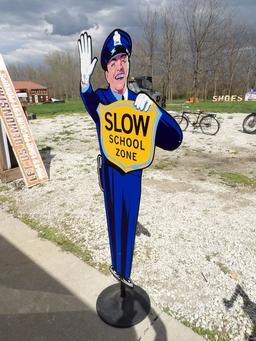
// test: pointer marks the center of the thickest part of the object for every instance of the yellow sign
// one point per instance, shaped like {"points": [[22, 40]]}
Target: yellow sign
{"points": [[18, 131], [128, 134]]}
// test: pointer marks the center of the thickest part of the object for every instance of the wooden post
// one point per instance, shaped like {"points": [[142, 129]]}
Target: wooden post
{"points": [[7, 173]]}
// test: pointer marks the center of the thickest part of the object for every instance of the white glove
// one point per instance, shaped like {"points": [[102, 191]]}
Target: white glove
{"points": [[85, 54], [143, 102]]}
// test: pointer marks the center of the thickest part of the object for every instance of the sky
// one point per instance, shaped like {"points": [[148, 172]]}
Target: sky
{"points": [[30, 29]]}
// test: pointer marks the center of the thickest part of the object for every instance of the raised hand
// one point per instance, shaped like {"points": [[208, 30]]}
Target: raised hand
{"points": [[85, 53]]}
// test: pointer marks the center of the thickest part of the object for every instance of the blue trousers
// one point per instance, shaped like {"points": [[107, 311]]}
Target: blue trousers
{"points": [[122, 193]]}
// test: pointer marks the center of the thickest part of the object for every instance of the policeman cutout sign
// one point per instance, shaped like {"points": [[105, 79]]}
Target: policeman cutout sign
{"points": [[126, 124], [128, 134]]}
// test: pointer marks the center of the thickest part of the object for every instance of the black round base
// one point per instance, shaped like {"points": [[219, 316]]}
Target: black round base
{"points": [[123, 312]]}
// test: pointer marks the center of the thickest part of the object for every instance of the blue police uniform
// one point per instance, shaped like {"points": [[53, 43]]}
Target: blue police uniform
{"points": [[122, 191]]}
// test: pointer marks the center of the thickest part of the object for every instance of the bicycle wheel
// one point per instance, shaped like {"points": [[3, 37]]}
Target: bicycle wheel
{"points": [[249, 124], [182, 121], [209, 125]]}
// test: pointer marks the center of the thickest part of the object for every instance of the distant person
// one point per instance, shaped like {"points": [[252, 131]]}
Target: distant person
{"points": [[122, 191]]}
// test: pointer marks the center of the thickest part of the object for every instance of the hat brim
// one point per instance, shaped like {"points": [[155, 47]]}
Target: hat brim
{"points": [[119, 50], [118, 54]]}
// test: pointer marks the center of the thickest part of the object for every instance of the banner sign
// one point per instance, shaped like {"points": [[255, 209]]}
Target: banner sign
{"points": [[18, 132], [128, 134], [250, 95]]}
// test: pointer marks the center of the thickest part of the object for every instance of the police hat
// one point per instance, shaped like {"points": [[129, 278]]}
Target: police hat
{"points": [[117, 42]]}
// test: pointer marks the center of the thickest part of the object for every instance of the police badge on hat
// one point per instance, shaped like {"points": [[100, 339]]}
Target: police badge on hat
{"points": [[117, 38], [117, 42]]}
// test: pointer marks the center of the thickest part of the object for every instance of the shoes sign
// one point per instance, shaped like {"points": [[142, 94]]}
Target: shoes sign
{"points": [[18, 132]]}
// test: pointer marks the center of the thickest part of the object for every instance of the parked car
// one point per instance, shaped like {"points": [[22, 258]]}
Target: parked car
{"points": [[144, 84], [55, 100]]}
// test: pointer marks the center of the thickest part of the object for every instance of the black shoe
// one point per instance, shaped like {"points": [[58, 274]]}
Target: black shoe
{"points": [[128, 282], [114, 273]]}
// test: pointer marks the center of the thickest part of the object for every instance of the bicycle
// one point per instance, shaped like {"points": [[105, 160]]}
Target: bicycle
{"points": [[249, 124], [208, 123]]}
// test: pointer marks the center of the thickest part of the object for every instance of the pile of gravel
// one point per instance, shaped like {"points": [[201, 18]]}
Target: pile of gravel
{"points": [[195, 245]]}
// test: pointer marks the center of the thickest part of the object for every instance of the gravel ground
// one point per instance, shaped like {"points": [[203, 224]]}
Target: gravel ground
{"points": [[195, 245]]}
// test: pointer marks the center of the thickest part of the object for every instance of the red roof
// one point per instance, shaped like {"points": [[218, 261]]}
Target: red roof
{"points": [[27, 85]]}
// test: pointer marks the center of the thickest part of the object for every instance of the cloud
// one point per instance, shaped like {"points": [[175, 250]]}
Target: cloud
{"points": [[28, 52], [30, 29], [65, 23], [244, 11]]}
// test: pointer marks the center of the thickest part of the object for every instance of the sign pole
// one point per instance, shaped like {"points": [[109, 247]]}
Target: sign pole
{"points": [[122, 289]]}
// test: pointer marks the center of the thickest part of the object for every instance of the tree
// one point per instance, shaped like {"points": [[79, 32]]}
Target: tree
{"points": [[149, 24], [236, 44], [169, 47], [202, 18], [63, 75]]}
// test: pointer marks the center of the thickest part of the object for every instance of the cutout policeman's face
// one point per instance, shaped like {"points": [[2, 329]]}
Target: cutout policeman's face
{"points": [[117, 73]]}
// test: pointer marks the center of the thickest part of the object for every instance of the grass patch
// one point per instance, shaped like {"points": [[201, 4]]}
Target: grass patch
{"points": [[211, 335], [4, 199], [104, 267], [56, 138], [3, 188], [7, 201], [167, 310], [54, 109], [208, 258], [52, 234], [227, 107], [67, 132], [64, 136], [76, 106], [235, 179], [164, 164], [223, 268], [68, 126]]}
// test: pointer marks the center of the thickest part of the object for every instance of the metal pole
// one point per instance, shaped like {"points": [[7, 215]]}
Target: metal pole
{"points": [[122, 289]]}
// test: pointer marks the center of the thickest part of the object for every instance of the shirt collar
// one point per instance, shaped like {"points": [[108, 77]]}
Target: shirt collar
{"points": [[119, 96]]}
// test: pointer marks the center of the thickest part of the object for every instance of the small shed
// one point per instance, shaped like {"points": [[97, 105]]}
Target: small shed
{"points": [[36, 93]]}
